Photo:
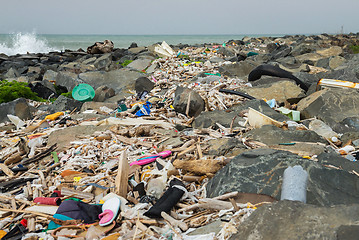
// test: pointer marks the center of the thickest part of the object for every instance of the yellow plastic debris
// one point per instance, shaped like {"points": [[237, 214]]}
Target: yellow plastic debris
{"points": [[77, 179], [54, 116], [2, 233]]}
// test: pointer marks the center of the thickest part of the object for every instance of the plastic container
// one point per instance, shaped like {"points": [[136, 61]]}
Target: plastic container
{"points": [[294, 185], [347, 149], [323, 130], [83, 92]]}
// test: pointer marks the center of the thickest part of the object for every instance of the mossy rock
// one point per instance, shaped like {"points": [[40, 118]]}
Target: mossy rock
{"points": [[10, 91]]}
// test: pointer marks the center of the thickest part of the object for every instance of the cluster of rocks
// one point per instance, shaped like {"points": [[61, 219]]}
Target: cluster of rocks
{"points": [[188, 85]]}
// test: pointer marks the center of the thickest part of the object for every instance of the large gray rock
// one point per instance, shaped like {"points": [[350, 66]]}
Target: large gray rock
{"points": [[285, 220], [336, 160], [18, 107], [103, 62], [121, 79], [222, 146], [302, 49], [63, 103], [136, 50], [143, 84], [225, 51], [260, 171], [12, 73], [67, 79], [347, 125], [224, 117], [196, 105], [50, 75], [239, 69], [102, 93], [307, 78], [350, 136], [348, 71], [330, 105], [139, 64], [272, 135], [336, 62], [281, 90], [281, 52]]}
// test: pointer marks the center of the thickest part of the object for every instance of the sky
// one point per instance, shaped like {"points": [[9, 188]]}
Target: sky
{"points": [[185, 17]]}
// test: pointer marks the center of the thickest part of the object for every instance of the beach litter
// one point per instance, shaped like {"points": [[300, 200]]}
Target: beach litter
{"points": [[141, 170]]}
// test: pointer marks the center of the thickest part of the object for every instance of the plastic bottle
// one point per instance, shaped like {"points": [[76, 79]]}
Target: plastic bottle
{"points": [[323, 130], [294, 185]]}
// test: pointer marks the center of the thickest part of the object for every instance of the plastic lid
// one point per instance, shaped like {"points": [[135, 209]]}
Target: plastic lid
{"points": [[83, 92]]}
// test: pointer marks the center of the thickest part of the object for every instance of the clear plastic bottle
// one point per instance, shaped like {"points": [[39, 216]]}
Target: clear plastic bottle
{"points": [[294, 186], [323, 130]]}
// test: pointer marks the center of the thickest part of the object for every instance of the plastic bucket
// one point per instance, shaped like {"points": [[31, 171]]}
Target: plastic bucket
{"points": [[83, 92]]}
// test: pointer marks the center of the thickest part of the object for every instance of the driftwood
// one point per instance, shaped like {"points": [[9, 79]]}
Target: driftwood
{"points": [[176, 223], [55, 220], [222, 197], [201, 167], [121, 181]]}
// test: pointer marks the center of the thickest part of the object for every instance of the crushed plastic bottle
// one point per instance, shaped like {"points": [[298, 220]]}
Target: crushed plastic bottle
{"points": [[323, 130]]}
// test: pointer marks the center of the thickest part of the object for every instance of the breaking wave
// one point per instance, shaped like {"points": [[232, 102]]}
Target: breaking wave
{"points": [[22, 43]]}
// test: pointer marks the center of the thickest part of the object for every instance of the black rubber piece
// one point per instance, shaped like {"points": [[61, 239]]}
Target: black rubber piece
{"points": [[237, 93], [274, 71]]}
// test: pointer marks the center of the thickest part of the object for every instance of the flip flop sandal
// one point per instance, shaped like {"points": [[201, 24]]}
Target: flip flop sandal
{"points": [[110, 211]]}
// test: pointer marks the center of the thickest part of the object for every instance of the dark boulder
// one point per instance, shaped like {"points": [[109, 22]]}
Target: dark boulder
{"points": [[196, 103], [285, 220], [18, 107], [143, 84], [260, 171], [42, 91]]}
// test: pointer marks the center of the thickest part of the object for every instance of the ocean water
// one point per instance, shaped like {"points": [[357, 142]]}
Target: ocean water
{"points": [[21, 43]]}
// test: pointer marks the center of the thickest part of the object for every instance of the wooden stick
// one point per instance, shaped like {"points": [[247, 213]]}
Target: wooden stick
{"points": [[174, 222], [48, 169], [31, 224], [222, 197], [188, 104], [200, 154], [189, 149], [217, 204], [19, 200], [75, 193], [6, 170], [121, 181], [57, 221], [234, 204], [174, 230]]}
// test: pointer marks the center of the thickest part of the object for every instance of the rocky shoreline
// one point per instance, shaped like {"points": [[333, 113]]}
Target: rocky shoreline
{"points": [[184, 99]]}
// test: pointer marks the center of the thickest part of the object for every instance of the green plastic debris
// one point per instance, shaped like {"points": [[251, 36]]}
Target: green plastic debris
{"points": [[251, 54], [213, 74], [292, 114], [55, 157]]}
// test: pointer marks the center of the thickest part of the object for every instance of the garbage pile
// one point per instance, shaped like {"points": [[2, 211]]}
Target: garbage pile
{"points": [[181, 142]]}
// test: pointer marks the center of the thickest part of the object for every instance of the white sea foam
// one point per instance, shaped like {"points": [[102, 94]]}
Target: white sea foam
{"points": [[23, 43]]}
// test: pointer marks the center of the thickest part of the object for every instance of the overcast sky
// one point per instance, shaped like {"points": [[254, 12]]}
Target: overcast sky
{"points": [[179, 17]]}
